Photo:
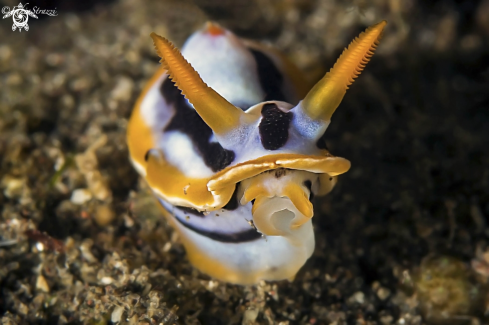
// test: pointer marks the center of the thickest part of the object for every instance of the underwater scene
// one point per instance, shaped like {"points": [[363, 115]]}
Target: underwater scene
{"points": [[244, 162]]}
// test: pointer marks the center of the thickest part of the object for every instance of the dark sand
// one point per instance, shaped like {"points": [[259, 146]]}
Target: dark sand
{"points": [[402, 238]]}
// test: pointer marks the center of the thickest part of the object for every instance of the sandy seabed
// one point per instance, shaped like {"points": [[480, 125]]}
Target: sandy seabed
{"points": [[402, 239]]}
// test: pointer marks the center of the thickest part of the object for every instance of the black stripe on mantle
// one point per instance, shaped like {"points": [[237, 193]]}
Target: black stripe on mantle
{"points": [[188, 121], [233, 238], [271, 79]]}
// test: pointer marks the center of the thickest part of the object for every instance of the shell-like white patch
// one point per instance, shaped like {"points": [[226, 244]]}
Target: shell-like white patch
{"points": [[179, 151], [154, 109], [235, 76]]}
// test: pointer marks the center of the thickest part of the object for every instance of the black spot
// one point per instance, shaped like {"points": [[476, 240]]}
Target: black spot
{"points": [[274, 127], [146, 155], [188, 121], [233, 202], [190, 211], [271, 80]]}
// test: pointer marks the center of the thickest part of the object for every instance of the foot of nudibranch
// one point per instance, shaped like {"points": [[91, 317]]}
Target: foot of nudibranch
{"points": [[244, 261], [248, 263]]}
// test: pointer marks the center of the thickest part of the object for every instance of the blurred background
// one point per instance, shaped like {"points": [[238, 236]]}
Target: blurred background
{"points": [[402, 239]]}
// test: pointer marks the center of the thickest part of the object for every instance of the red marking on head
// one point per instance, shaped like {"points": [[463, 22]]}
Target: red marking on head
{"points": [[214, 29]]}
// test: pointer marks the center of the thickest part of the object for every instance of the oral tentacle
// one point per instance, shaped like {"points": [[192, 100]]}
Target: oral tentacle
{"points": [[281, 202], [253, 192], [299, 198], [277, 216]]}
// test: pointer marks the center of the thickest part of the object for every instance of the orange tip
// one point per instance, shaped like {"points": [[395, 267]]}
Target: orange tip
{"points": [[214, 29]]}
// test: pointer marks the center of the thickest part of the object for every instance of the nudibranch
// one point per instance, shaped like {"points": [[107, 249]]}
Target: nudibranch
{"points": [[234, 156]]}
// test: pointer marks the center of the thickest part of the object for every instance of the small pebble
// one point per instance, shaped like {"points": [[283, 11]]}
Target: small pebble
{"points": [[123, 89], [117, 314], [358, 297], [106, 280], [128, 222], [81, 195], [386, 320], [14, 79], [167, 247], [383, 293], [42, 284], [85, 250], [80, 84], [104, 215], [13, 187], [54, 59], [5, 53], [249, 316]]}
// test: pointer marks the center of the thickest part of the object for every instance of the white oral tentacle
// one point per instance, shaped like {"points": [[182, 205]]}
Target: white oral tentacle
{"points": [[277, 216]]}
